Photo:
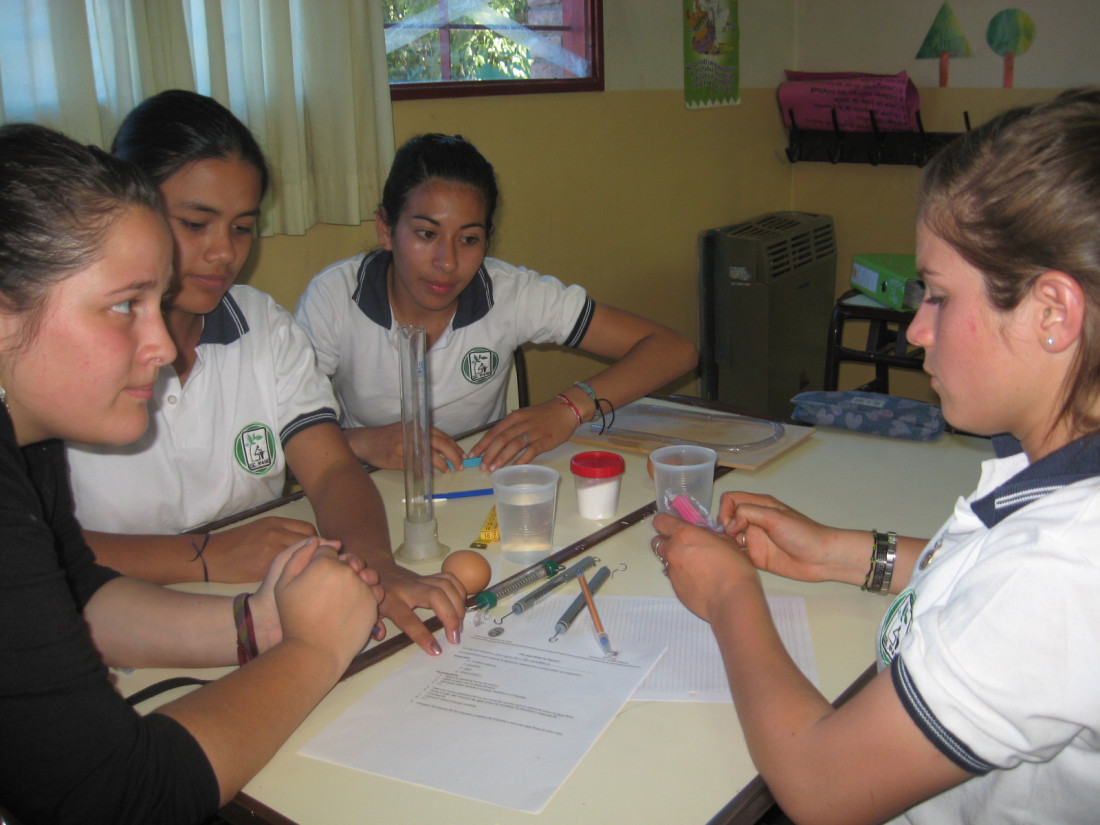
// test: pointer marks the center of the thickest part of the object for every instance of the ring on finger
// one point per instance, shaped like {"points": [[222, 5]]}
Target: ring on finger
{"points": [[657, 548], [526, 440]]}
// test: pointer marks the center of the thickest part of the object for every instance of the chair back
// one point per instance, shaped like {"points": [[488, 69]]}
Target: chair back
{"points": [[517, 395]]}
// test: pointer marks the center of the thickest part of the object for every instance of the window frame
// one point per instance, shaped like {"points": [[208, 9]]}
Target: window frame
{"points": [[487, 88]]}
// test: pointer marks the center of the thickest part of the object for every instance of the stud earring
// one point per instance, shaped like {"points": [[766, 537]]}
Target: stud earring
{"points": [[1050, 342]]}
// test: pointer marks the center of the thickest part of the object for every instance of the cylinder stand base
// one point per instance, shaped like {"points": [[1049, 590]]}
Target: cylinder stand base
{"points": [[421, 542]]}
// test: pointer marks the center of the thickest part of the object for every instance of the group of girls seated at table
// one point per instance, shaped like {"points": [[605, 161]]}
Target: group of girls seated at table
{"points": [[244, 401], [177, 420], [131, 360]]}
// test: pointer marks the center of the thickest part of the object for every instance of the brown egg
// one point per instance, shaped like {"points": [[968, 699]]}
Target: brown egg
{"points": [[649, 467], [469, 567]]}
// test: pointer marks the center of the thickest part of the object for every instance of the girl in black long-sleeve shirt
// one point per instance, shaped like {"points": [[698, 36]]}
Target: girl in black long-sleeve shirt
{"points": [[85, 259]]}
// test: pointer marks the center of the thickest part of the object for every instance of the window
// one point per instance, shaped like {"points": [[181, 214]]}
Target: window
{"points": [[451, 48], [297, 72]]}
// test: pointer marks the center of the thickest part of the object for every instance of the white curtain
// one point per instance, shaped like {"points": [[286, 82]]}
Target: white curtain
{"points": [[308, 78]]}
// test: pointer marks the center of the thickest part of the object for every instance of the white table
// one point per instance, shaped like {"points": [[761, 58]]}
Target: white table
{"points": [[658, 762]]}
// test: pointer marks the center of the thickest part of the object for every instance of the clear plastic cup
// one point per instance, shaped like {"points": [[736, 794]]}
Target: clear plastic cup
{"points": [[683, 468], [526, 500], [597, 476]]}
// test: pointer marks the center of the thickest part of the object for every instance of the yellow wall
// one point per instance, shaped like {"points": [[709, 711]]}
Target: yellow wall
{"points": [[874, 207], [611, 190]]}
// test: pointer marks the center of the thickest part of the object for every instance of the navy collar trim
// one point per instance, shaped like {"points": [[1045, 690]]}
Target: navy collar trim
{"points": [[1005, 445], [1077, 461], [225, 324], [371, 294]]}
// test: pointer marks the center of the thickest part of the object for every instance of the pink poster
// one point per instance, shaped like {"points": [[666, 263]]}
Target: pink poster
{"points": [[813, 96]]}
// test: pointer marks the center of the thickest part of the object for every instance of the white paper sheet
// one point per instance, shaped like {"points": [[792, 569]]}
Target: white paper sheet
{"points": [[692, 669], [519, 693], [534, 707]]}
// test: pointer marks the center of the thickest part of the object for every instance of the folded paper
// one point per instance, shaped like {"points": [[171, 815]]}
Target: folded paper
{"points": [[814, 96]]}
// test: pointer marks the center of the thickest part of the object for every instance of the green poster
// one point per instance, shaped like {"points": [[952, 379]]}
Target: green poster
{"points": [[712, 53]]}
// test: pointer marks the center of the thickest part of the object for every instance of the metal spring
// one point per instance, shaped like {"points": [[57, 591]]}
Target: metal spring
{"points": [[512, 585]]}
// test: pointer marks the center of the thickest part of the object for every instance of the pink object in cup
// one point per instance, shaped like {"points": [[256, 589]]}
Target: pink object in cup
{"points": [[598, 475]]}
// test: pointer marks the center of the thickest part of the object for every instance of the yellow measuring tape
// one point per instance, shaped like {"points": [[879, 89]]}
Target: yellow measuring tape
{"points": [[490, 532]]}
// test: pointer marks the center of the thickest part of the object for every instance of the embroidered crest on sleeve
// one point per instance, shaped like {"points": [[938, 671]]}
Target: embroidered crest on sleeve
{"points": [[895, 626], [479, 365], [254, 448]]}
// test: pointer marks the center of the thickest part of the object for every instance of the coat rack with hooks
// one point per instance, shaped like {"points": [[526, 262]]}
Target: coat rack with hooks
{"points": [[874, 147]]}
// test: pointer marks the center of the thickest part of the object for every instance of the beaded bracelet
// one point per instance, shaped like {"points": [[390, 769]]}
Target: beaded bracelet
{"points": [[591, 393], [200, 557], [571, 406], [246, 632]]}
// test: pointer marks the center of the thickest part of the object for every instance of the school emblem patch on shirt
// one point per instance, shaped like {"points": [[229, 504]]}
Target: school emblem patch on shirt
{"points": [[895, 625], [479, 365], [255, 448]]}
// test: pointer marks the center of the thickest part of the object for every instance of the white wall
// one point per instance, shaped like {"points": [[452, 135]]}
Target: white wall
{"points": [[884, 36], [642, 41]]}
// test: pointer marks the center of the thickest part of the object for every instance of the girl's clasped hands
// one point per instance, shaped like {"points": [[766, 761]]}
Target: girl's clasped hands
{"points": [[314, 592]]}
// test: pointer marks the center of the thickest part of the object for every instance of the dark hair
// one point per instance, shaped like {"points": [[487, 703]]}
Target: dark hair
{"points": [[1020, 196], [447, 157], [170, 130], [58, 202]]}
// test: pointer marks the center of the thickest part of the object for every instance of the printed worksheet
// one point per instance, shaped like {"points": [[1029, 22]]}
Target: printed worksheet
{"points": [[510, 686], [517, 682]]}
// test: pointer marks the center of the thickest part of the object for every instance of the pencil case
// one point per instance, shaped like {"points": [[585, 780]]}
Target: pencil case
{"points": [[870, 412]]}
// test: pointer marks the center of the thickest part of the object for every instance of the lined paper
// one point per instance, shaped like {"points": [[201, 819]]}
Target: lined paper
{"points": [[691, 669]]}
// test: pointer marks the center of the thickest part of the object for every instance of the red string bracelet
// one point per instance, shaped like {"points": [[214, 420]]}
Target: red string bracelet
{"points": [[571, 406], [246, 632]]}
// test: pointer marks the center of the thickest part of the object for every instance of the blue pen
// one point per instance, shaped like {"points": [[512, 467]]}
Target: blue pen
{"points": [[484, 491]]}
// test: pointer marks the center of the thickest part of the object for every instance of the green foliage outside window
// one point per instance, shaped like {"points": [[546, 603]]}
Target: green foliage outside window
{"points": [[476, 53]]}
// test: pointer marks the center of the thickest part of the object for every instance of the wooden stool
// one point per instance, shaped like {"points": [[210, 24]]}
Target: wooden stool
{"points": [[886, 345]]}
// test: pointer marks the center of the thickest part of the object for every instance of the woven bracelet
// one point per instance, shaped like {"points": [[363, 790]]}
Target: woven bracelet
{"points": [[871, 568], [246, 632]]}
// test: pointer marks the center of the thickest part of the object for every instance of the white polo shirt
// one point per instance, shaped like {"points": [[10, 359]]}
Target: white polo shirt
{"points": [[345, 310], [994, 648], [214, 444]]}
